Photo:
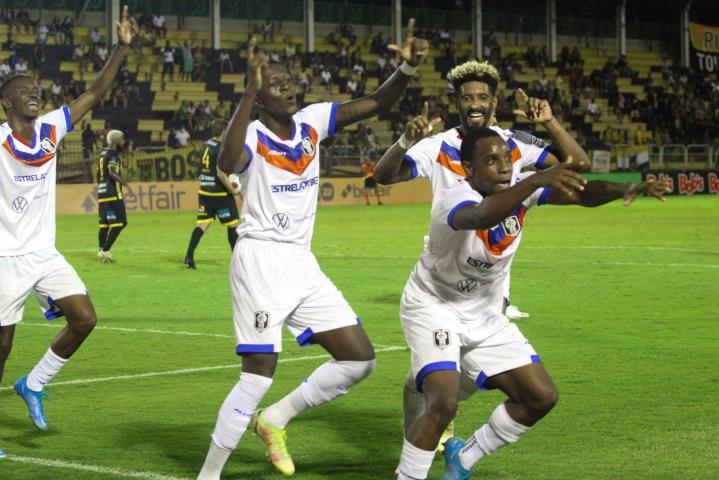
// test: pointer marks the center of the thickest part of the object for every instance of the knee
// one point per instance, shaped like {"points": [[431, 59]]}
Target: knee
{"points": [[543, 400], [83, 322], [356, 371], [443, 410]]}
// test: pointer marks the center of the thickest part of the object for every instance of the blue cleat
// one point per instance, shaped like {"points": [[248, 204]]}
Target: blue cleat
{"points": [[33, 400], [2, 453], [453, 469]]}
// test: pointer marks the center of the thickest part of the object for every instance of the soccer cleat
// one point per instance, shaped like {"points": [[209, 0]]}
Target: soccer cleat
{"points": [[453, 469], [190, 263], [100, 256], [513, 313], [446, 435], [2, 453], [33, 400], [108, 257], [275, 441]]}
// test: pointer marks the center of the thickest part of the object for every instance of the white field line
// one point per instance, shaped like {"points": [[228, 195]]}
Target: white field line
{"points": [[185, 371], [44, 462]]}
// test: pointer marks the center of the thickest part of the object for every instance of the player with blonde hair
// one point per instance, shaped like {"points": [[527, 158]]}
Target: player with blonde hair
{"points": [[111, 203]]}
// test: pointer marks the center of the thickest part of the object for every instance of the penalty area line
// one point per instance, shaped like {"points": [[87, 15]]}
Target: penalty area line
{"points": [[186, 371], [46, 462]]}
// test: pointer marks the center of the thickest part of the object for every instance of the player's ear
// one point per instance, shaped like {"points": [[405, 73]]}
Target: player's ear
{"points": [[6, 103], [467, 168]]}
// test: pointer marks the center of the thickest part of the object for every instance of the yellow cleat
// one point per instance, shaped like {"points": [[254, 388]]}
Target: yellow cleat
{"points": [[275, 441], [446, 435]]}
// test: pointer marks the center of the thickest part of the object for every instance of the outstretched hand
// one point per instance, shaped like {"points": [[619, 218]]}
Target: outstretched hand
{"points": [[421, 126], [126, 28], [650, 187], [255, 64], [562, 177], [536, 111], [413, 50]]}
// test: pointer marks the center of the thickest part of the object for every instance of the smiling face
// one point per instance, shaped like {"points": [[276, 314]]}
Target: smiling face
{"points": [[277, 94], [475, 103], [22, 97], [489, 169]]}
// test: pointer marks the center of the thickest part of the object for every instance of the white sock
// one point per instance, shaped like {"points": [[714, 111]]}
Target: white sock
{"points": [[237, 409], [45, 370], [414, 464], [214, 463], [328, 382], [500, 430]]}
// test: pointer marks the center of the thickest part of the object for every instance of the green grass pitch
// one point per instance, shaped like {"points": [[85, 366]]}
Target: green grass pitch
{"points": [[623, 312]]}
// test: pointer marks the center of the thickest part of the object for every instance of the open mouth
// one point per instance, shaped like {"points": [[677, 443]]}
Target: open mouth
{"points": [[32, 104], [476, 116], [503, 185], [291, 98]]}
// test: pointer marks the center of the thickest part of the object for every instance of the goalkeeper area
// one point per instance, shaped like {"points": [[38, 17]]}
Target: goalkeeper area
{"points": [[623, 305]]}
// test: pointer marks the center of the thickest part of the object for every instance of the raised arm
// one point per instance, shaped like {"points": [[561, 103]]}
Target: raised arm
{"points": [[413, 53], [538, 111], [599, 192], [126, 30], [498, 206], [233, 156], [392, 168]]}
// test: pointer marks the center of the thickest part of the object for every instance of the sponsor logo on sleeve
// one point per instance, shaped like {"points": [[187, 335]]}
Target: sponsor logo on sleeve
{"points": [[441, 338]]}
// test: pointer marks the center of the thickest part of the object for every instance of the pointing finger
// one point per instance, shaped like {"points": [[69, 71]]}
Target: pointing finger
{"points": [[410, 29], [425, 110]]}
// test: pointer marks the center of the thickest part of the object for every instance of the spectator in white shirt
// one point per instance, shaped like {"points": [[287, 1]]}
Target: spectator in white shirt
{"points": [[158, 24], [95, 37], [182, 136], [21, 67], [326, 77], [5, 70]]}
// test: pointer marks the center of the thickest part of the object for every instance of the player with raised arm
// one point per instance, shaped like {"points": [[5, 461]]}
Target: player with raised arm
{"points": [[29, 261], [436, 157], [110, 202], [451, 306], [275, 279], [215, 197]]}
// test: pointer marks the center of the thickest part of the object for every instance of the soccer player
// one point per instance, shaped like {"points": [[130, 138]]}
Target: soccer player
{"points": [[29, 261], [215, 197], [437, 157], [451, 308], [275, 278], [110, 203], [369, 181]]}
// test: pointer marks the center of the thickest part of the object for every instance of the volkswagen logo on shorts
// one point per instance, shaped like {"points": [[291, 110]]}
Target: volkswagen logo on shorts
{"points": [[19, 205], [282, 220], [468, 285]]}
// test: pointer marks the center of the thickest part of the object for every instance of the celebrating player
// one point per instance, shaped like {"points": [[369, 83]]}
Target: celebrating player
{"points": [[275, 278], [111, 206], [29, 260], [215, 196], [437, 157], [451, 306]]}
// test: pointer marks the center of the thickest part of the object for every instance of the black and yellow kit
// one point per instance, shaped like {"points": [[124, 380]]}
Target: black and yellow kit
{"points": [[213, 198], [109, 191]]}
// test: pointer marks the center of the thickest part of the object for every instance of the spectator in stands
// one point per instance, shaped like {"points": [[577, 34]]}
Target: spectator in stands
{"points": [[290, 53], [72, 91], [192, 115], [181, 114], [326, 78], [21, 67], [225, 61], [67, 30], [158, 24], [206, 113], [54, 28], [378, 44], [221, 111], [183, 137], [9, 43], [56, 93], [24, 20], [168, 61], [95, 38], [101, 55], [351, 87], [200, 66], [305, 82], [172, 141], [186, 62], [593, 109], [119, 96], [8, 16], [89, 142], [5, 70], [126, 81], [268, 31], [41, 34]]}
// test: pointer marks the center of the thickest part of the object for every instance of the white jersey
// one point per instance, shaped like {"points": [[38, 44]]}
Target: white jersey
{"points": [[27, 184], [281, 181], [464, 268], [437, 157]]}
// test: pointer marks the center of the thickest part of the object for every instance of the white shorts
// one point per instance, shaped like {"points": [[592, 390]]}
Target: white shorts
{"points": [[46, 273], [440, 340], [274, 283]]}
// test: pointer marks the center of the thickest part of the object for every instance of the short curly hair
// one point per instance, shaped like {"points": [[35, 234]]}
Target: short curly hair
{"points": [[474, 71]]}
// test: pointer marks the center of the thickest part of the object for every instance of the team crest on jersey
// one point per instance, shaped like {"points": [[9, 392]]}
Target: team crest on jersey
{"points": [[441, 339], [308, 148], [511, 226], [262, 320], [47, 145]]}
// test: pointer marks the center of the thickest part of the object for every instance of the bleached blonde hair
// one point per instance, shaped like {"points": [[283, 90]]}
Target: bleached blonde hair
{"points": [[474, 71]]}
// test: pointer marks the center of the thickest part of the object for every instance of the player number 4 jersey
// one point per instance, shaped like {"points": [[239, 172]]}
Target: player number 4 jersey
{"points": [[466, 268], [27, 184], [281, 181]]}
